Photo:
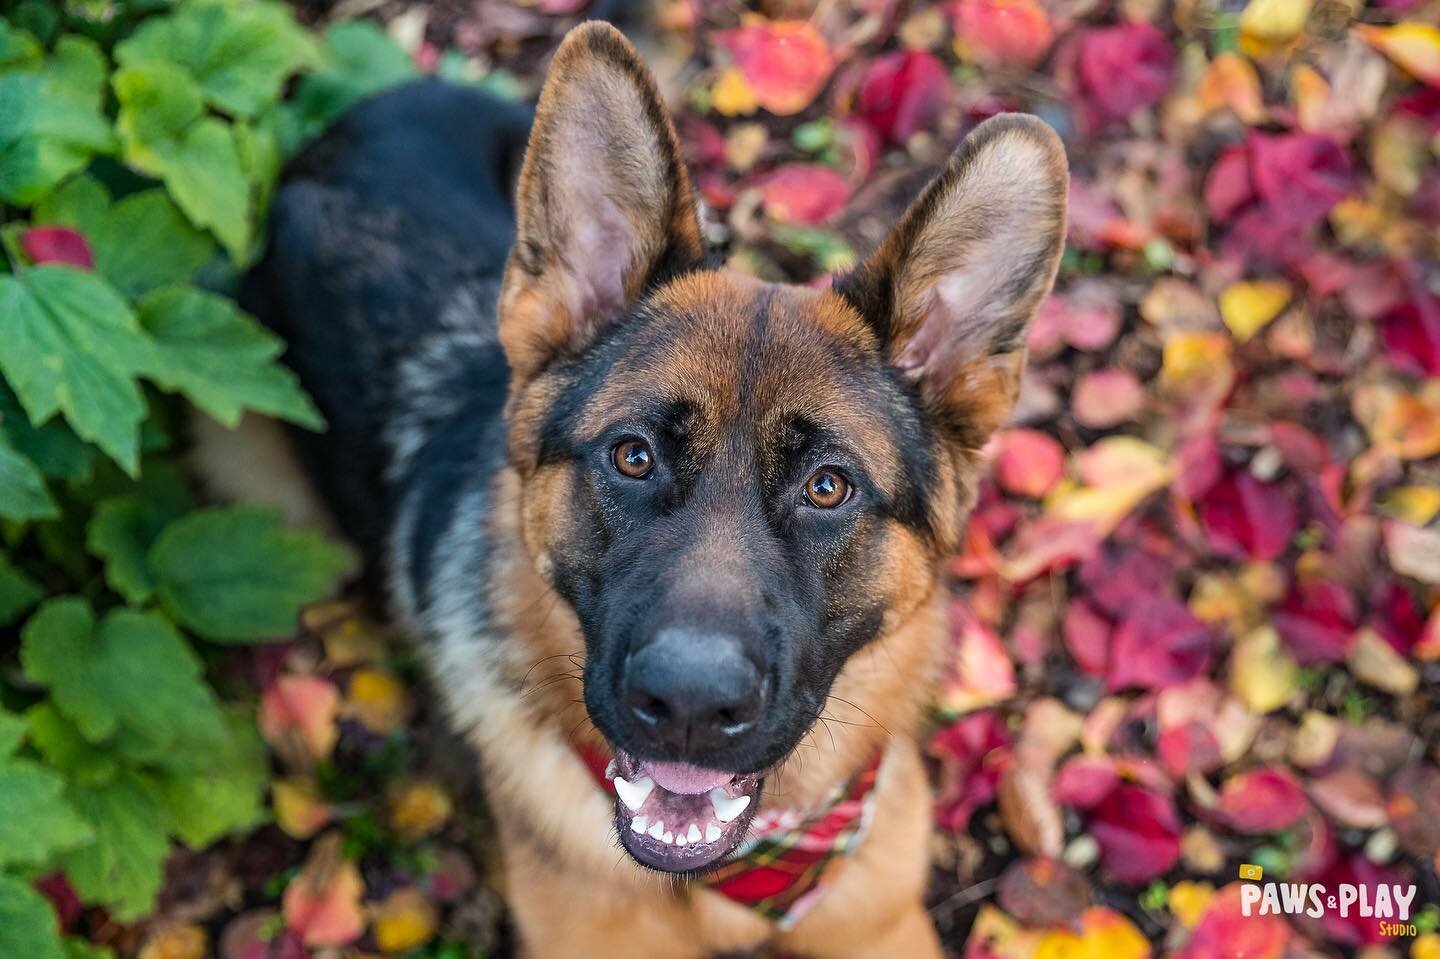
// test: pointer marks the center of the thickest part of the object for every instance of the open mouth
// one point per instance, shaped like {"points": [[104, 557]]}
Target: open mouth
{"points": [[676, 817]]}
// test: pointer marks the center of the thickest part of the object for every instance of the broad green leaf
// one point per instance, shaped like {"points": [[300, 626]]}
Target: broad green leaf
{"points": [[238, 575], [72, 345], [52, 446], [28, 924], [12, 731], [221, 359], [51, 122], [164, 132], [139, 243], [123, 528], [131, 674], [22, 489], [123, 866], [37, 822], [222, 791], [18, 48], [18, 592], [63, 747], [80, 949], [239, 55], [359, 59]]}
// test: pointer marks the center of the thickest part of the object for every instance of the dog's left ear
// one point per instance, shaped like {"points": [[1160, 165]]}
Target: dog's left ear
{"points": [[951, 290], [604, 204]]}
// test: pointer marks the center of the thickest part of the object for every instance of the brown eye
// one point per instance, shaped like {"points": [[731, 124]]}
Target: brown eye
{"points": [[826, 489], [633, 458]]}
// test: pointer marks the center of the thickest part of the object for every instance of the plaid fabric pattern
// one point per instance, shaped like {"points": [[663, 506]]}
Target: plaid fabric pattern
{"points": [[782, 868]]}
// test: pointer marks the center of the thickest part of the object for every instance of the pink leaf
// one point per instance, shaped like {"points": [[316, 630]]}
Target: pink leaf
{"points": [[1245, 517], [57, 244], [1027, 462], [1001, 32], [804, 193], [1158, 643]]}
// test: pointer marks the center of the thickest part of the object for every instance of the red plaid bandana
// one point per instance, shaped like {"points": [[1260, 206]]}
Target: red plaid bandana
{"points": [[781, 868]]}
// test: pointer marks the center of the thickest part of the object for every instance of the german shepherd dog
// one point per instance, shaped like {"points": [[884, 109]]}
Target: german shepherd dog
{"points": [[638, 508]]}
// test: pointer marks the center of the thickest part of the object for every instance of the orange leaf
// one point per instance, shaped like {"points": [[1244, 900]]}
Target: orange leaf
{"points": [[785, 63], [999, 32], [1230, 81], [322, 903], [301, 709]]}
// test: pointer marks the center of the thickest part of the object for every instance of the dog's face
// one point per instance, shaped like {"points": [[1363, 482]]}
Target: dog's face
{"points": [[738, 485]]}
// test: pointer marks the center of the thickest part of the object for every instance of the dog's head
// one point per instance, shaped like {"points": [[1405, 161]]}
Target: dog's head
{"points": [[738, 485]]}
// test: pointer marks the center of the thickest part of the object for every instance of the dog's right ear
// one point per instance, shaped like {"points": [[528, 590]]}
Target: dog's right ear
{"points": [[604, 204]]}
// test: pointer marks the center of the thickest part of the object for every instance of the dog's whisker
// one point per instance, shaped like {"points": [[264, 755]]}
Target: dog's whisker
{"points": [[859, 709]]}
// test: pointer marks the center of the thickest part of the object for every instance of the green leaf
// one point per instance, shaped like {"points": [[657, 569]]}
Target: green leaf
{"points": [[12, 731], [164, 132], [80, 949], [18, 592], [18, 48], [22, 489], [239, 55], [72, 345], [52, 446], [63, 747], [38, 822], [28, 924], [123, 866], [139, 243], [131, 675], [221, 359], [237, 575], [51, 122], [360, 58], [222, 791], [123, 528]]}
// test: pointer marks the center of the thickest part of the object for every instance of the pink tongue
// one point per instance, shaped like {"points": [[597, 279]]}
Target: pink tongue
{"points": [[683, 778]]}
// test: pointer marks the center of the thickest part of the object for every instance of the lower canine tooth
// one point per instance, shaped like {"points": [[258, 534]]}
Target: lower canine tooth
{"points": [[712, 832], [634, 794], [668, 839], [726, 809], [639, 824], [694, 834], [680, 840], [656, 831]]}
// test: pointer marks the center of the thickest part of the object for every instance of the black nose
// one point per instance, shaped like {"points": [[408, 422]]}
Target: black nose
{"points": [[693, 689]]}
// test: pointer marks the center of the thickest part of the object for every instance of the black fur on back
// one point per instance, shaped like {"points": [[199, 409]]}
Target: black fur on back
{"points": [[387, 240]]}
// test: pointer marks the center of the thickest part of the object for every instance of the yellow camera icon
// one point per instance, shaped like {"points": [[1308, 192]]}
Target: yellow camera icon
{"points": [[1248, 871]]}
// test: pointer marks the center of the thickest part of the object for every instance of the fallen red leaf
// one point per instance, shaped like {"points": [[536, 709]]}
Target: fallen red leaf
{"points": [[1027, 462], [805, 193], [902, 93], [1158, 643], [1317, 621], [1120, 70], [972, 754], [1245, 517], [1002, 32], [785, 62], [1225, 932], [1267, 800], [1139, 833]]}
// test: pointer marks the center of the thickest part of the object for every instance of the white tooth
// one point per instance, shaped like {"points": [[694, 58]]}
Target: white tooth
{"points": [[657, 831], [680, 840], [668, 839], [694, 834], [634, 794], [726, 809], [712, 832], [639, 823]]}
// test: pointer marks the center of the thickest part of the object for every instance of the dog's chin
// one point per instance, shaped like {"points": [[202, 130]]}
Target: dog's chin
{"points": [[680, 818]]}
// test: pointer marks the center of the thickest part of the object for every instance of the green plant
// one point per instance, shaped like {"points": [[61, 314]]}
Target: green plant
{"points": [[139, 144]]}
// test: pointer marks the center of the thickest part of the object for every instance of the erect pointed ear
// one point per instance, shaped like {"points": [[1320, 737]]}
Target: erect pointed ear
{"points": [[951, 290], [604, 204]]}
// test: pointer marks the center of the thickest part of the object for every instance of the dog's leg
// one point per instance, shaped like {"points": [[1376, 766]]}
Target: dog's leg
{"points": [[912, 936]]}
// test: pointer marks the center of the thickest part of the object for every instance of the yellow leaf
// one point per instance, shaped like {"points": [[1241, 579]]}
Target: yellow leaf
{"points": [[1116, 474], [171, 941], [1188, 901], [1416, 505], [1414, 46], [731, 95], [1104, 934], [1266, 25], [1263, 675], [1197, 362], [299, 811], [378, 700], [1426, 946], [418, 808], [404, 920], [1002, 937], [1246, 307]]}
